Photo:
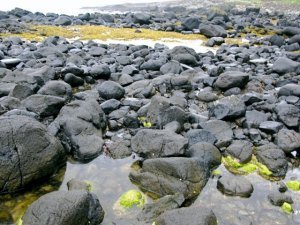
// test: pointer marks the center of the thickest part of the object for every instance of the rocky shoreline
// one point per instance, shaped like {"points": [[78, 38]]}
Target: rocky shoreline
{"points": [[183, 114]]}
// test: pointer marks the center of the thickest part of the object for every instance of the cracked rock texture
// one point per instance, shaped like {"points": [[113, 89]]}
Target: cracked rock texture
{"points": [[27, 152]]}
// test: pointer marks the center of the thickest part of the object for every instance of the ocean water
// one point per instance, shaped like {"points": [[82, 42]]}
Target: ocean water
{"points": [[70, 7]]}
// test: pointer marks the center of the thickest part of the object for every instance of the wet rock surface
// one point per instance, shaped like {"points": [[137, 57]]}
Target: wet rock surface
{"points": [[178, 111], [65, 207], [28, 153]]}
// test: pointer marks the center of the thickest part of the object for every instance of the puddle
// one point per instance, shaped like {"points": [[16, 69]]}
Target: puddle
{"points": [[254, 210], [109, 179], [197, 45]]}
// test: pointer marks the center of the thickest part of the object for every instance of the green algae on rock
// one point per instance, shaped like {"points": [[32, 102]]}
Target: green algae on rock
{"points": [[132, 198], [234, 166], [287, 208], [293, 185]]}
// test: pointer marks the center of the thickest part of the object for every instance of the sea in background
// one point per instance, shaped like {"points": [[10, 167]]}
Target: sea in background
{"points": [[69, 7]]}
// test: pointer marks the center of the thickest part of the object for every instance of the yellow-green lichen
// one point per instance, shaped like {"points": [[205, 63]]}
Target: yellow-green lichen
{"points": [[293, 185], [253, 165], [86, 32], [287, 208], [132, 198], [145, 122]]}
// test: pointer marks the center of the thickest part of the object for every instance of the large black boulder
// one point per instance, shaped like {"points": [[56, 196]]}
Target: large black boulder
{"points": [[65, 207], [168, 176], [158, 143], [28, 153], [79, 126]]}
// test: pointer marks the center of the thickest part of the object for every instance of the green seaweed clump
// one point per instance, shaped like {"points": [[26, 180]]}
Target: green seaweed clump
{"points": [[145, 122], [293, 185], [287, 208], [253, 165], [132, 198]]}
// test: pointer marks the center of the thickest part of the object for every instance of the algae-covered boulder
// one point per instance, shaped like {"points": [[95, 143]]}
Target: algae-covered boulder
{"points": [[168, 176]]}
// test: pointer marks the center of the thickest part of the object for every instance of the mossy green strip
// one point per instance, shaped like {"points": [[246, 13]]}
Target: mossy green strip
{"points": [[86, 32], [236, 167]]}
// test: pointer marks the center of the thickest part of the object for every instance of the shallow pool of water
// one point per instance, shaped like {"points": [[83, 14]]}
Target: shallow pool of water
{"points": [[109, 179]]}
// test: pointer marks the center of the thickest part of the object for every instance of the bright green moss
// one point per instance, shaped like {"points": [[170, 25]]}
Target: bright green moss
{"points": [[132, 198], [246, 168], [263, 170], [293, 185], [287, 208], [147, 124]]}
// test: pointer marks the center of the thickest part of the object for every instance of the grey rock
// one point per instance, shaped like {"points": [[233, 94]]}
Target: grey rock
{"points": [[206, 153], [271, 127], [228, 108], [188, 216], [63, 21], [241, 150], [158, 143], [73, 80], [235, 186], [119, 150], [151, 211], [199, 135], [288, 140], [100, 71], [191, 23], [274, 159], [172, 67], [161, 112], [230, 79], [184, 55], [28, 151], [110, 105], [74, 184], [289, 89], [277, 198], [79, 127], [284, 65], [65, 207], [168, 176], [21, 91], [288, 114], [141, 18], [57, 88], [213, 31], [44, 105], [110, 90], [254, 118], [220, 129]]}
